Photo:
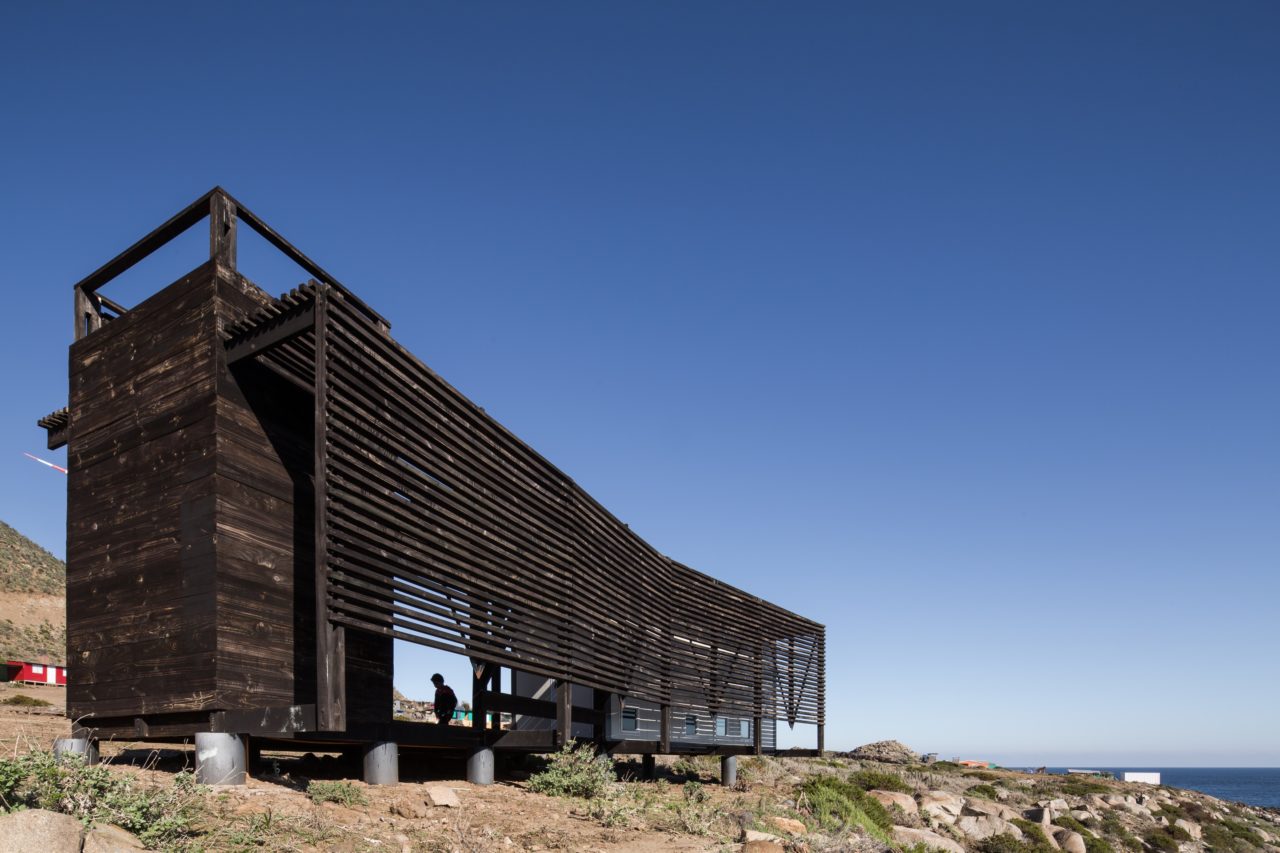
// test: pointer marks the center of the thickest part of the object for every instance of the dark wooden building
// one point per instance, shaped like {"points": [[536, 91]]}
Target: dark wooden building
{"points": [[265, 492]]}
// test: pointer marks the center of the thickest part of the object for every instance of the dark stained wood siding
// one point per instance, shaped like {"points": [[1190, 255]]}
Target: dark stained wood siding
{"points": [[141, 632]]}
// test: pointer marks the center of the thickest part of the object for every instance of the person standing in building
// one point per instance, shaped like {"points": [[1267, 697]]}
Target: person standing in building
{"points": [[446, 701]]}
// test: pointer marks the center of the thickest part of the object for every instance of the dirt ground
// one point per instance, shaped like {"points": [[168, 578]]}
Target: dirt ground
{"points": [[274, 808]]}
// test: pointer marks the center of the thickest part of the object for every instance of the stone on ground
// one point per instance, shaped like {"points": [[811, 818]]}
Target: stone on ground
{"points": [[908, 837], [977, 806], [111, 839], [749, 835], [906, 802], [1069, 841], [763, 847], [978, 827], [942, 805], [439, 795], [1193, 829], [791, 825], [38, 829]]}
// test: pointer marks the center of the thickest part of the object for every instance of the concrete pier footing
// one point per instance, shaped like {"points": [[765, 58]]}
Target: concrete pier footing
{"points": [[220, 758], [382, 763]]}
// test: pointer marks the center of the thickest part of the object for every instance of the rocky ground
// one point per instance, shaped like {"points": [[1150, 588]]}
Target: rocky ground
{"points": [[780, 805]]}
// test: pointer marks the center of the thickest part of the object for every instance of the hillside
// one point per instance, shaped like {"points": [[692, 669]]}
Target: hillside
{"points": [[33, 620]]}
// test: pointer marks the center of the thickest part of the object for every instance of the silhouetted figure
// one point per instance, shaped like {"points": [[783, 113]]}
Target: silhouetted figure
{"points": [[446, 701]]}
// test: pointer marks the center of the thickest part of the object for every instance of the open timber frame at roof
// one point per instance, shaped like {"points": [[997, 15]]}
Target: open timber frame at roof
{"points": [[325, 492]]}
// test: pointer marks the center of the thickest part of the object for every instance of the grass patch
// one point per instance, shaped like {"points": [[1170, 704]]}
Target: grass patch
{"points": [[880, 780], [1033, 838], [1080, 786], [838, 805], [338, 791], [22, 701], [984, 790], [575, 771], [1162, 839]]}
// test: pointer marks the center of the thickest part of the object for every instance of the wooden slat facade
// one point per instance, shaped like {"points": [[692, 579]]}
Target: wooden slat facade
{"points": [[264, 493]]}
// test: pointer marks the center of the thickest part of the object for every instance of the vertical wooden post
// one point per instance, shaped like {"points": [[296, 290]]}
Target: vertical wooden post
{"points": [[821, 745], [330, 641], [600, 716], [222, 230], [757, 702], [87, 317], [564, 712], [664, 729]]}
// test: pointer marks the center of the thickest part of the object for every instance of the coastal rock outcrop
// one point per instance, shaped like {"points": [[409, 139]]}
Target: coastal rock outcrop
{"points": [[886, 752]]}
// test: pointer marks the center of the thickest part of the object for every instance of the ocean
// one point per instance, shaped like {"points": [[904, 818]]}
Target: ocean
{"points": [[1257, 786]]}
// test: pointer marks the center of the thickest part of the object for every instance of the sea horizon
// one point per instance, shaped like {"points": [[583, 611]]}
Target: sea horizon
{"points": [[1255, 786]]}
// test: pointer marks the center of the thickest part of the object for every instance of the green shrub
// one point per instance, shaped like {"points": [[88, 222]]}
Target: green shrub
{"points": [[1002, 843], [22, 701], [575, 771], [1232, 838], [1080, 786], [1068, 822], [983, 790], [880, 780], [159, 815], [943, 765], [1162, 839], [839, 805], [1242, 832], [1033, 838], [338, 791], [1098, 845], [983, 775]]}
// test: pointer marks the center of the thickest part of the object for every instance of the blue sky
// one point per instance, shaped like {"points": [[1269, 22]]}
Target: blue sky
{"points": [[952, 326]]}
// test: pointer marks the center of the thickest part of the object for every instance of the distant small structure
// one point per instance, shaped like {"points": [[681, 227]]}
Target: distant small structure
{"points": [[29, 672], [929, 757], [981, 765], [1144, 778]]}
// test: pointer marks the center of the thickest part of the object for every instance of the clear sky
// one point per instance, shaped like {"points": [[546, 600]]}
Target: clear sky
{"points": [[951, 326]]}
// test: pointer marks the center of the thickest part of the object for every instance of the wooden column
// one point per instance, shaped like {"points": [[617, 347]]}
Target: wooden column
{"points": [[222, 230], [664, 729], [330, 641], [564, 712]]}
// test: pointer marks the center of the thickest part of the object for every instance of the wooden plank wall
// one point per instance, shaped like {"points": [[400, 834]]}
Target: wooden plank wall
{"points": [[141, 599]]}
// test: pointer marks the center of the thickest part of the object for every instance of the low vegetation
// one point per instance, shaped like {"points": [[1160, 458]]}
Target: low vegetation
{"points": [[162, 816], [575, 771], [880, 780], [19, 700], [341, 792], [838, 805]]}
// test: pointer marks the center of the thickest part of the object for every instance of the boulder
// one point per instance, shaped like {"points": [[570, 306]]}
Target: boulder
{"points": [[38, 829], [1059, 806], [763, 847], [978, 827], [978, 806], [942, 805], [894, 798], [909, 837], [441, 796], [1083, 814], [886, 751], [111, 839], [1039, 815], [1114, 800], [749, 835], [1192, 829], [1069, 841], [412, 809], [792, 826]]}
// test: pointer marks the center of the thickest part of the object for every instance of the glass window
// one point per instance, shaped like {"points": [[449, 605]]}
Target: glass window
{"points": [[691, 725], [37, 669], [629, 721], [721, 727], [745, 730]]}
